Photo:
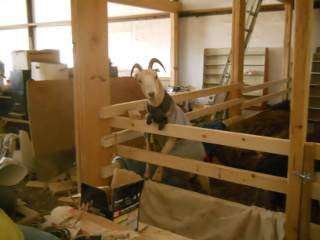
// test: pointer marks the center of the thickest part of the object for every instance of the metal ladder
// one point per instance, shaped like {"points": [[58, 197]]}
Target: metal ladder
{"points": [[252, 10]]}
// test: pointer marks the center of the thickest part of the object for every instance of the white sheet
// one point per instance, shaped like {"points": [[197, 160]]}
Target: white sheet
{"points": [[198, 216]]}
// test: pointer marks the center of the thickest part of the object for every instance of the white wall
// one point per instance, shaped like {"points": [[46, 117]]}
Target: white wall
{"points": [[197, 33]]}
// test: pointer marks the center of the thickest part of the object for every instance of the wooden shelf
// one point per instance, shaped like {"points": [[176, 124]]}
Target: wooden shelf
{"points": [[255, 60], [5, 97], [15, 120]]}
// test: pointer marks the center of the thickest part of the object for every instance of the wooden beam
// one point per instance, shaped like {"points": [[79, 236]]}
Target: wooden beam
{"points": [[287, 46], [264, 85], [30, 20], [214, 108], [308, 167], [231, 139], [257, 100], [174, 48], [226, 10], [299, 112], [286, 1], [120, 109], [237, 52], [91, 87], [230, 174], [166, 6], [314, 231]]}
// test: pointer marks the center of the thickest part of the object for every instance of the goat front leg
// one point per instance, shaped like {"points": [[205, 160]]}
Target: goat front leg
{"points": [[147, 173], [168, 146]]}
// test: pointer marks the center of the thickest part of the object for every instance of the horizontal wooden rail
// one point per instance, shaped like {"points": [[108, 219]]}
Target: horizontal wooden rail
{"points": [[166, 6], [122, 108], [249, 178], [252, 102], [213, 108], [316, 191], [264, 85], [314, 231], [286, 1], [183, 96], [232, 139], [119, 137]]}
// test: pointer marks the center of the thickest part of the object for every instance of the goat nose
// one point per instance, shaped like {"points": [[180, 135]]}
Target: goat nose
{"points": [[151, 94]]}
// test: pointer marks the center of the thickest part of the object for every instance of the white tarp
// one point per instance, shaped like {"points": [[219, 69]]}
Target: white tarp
{"points": [[199, 216]]}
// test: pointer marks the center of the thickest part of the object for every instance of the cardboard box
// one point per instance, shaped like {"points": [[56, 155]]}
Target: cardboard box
{"points": [[49, 71], [119, 202], [21, 60]]}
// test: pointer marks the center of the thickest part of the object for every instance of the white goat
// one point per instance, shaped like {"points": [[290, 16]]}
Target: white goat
{"points": [[162, 109]]}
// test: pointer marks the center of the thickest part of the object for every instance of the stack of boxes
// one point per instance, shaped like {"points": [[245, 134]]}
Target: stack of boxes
{"points": [[36, 65]]}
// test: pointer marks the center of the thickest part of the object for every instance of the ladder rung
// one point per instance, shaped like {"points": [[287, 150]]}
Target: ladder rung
{"points": [[248, 29], [252, 13]]}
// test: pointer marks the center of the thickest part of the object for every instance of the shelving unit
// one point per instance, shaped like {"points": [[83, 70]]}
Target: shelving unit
{"points": [[255, 68], [314, 96]]}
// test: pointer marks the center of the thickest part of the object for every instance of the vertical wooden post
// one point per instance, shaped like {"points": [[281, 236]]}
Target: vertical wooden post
{"points": [[287, 47], [299, 112], [237, 57], [91, 86], [174, 19], [30, 20], [306, 199]]}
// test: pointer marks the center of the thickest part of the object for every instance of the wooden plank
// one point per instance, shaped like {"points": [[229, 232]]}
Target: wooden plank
{"points": [[226, 10], [257, 100], [287, 46], [316, 191], [166, 6], [174, 50], [119, 137], [264, 85], [249, 178], [317, 151], [286, 1], [298, 114], [125, 89], [214, 108], [308, 167], [120, 109], [237, 53], [231, 139], [51, 116], [91, 87], [314, 231]]}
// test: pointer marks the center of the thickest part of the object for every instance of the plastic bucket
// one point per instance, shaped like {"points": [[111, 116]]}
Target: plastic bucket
{"points": [[11, 172]]}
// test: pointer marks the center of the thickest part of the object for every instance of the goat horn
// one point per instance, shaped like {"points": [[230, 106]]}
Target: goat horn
{"points": [[136, 65], [155, 60]]}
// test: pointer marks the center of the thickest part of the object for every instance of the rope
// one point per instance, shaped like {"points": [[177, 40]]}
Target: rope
{"points": [[60, 232]]}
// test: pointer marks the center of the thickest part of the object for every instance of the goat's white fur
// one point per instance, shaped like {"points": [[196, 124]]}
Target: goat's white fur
{"points": [[154, 92]]}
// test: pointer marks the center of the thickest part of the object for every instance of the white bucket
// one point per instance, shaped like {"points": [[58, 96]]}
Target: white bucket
{"points": [[11, 171]]}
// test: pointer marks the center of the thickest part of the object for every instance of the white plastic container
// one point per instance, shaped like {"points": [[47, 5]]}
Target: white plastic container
{"points": [[49, 71]]}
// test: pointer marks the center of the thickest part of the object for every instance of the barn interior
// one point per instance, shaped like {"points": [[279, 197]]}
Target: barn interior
{"points": [[244, 72]]}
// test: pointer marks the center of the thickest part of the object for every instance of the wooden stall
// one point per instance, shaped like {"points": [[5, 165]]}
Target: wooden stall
{"points": [[95, 116]]}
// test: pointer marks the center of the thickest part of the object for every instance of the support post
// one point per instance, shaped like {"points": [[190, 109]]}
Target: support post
{"points": [[237, 57], [299, 112], [91, 87], [174, 19], [287, 47], [306, 200]]}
